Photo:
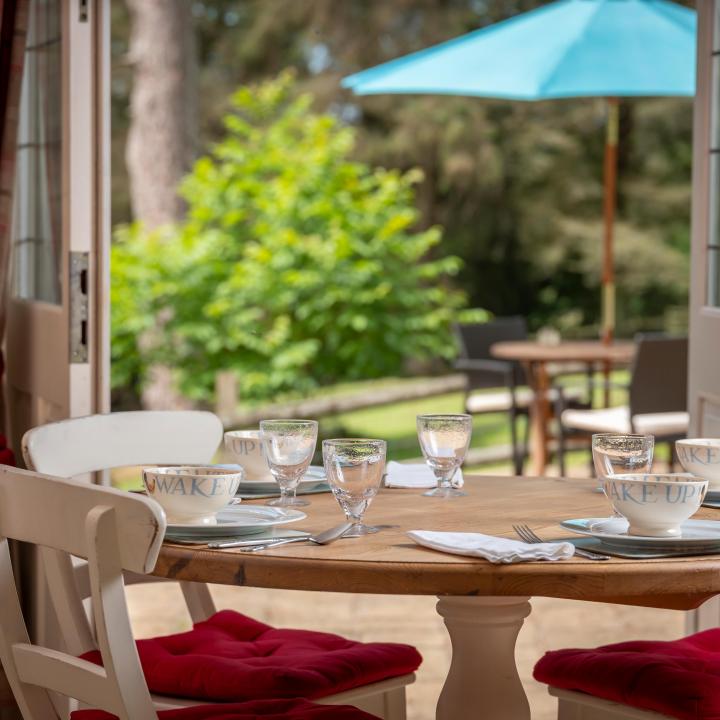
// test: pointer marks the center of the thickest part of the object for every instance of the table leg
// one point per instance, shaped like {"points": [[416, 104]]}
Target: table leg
{"points": [[483, 681], [607, 370], [539, 417]]}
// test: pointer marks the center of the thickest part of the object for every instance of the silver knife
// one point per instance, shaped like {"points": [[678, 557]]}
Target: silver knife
{"points": [[215, 544], [323, 538]]}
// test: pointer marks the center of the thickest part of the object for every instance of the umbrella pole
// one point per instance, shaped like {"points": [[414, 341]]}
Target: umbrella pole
{"points": [[609, 199]]}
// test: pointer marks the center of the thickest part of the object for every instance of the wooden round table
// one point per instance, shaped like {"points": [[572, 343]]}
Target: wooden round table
{"points": [[483, 605], [535, 357]]}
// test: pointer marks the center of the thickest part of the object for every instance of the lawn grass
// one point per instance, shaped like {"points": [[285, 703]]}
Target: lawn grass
{"points": [[395, 423]]}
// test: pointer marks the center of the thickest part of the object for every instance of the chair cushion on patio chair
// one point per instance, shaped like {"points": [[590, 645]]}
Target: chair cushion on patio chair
{"points": [[501, 400], [231, 657], [680, 678], [269, 709], [617, 419]]}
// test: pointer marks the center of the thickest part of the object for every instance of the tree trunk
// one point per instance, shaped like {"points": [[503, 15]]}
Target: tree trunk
{"points": [[162, 137]]}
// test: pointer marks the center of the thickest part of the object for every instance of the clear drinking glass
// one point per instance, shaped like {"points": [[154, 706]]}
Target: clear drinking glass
{"points": [[288, 446], [614, 454], [444, 441], [355, 468]]}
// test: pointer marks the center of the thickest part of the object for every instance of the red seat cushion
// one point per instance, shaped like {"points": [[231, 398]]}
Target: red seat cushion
{"points": [[231, 657], [269, 709], [680, 678]]}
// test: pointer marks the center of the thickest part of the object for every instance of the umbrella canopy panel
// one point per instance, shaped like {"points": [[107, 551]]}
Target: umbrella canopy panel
{"points": [[571, 48]]}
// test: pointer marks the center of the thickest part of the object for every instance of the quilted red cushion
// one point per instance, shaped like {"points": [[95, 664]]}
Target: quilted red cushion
{"points": [[680, 678], [269, 709], [231, 657]]}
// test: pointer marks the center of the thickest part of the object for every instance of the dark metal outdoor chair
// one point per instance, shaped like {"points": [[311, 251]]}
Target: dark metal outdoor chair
{"points": [[485, 372], [657, 398]]}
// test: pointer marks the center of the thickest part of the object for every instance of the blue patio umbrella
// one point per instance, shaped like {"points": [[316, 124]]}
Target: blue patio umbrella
{"points": [[567, 49]]}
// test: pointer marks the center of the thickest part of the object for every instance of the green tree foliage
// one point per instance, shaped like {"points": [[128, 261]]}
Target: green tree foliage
{"points": [[296, 266], [517, 187]]}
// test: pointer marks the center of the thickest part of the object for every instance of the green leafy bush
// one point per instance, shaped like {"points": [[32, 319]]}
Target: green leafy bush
{"points": [[296, 266]]}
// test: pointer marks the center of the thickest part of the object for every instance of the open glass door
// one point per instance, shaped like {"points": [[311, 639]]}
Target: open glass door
{"points": [[57, 319], [704, 378]]}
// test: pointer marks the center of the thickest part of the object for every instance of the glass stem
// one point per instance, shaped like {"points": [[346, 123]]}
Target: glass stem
{"points": [[444, 481]]}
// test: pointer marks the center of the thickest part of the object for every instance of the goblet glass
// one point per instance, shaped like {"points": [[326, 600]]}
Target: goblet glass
{"points": [[355, 469], [444, 441], [615, 453], [288, 446]]}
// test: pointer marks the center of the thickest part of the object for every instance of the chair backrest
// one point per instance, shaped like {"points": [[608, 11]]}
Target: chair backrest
{"points": [[100, 442], [659, 375], [476, 339], [114, 530]]}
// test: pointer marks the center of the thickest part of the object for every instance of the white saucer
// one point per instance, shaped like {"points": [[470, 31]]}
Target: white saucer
{"points": [[613, 531], [239, 520]]}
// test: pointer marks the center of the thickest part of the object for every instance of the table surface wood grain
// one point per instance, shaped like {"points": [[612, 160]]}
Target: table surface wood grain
{"points": [[570, 351], [390, 563]]}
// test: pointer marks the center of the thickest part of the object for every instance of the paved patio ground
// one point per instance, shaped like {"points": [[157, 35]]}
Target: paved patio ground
{"points": [[552, 624]]}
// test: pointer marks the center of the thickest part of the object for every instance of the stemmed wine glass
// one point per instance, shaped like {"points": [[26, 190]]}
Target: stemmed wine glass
{"points": [[288, 446], [615, 453], [354, 469], [444, 441]]}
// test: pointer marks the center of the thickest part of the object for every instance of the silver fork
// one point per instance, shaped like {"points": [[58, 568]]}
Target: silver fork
{"points": [[528, 535]]}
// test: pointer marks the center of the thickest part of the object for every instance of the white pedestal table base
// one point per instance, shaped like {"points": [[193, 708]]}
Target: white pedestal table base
{"points": [[483, 682]]}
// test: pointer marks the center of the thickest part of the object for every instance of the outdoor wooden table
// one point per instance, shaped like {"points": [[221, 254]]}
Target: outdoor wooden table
{"points": [[483, 605], [535, 357]]}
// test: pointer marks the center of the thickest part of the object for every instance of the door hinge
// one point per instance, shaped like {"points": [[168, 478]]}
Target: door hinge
{"points": [[83, 10], [79, 284]]}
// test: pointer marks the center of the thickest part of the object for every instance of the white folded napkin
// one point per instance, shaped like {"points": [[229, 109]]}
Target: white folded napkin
{"points": [[402, 475], [494, 549]]}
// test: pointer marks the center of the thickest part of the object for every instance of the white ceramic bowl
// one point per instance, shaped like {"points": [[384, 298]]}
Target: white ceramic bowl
{"points": [[246, 446], [655, 505], [701, 457], [192, 494]]}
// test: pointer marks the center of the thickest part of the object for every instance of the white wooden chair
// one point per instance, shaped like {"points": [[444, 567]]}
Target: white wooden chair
{"points": [[79, 446], [115, 531], [580, 706], [74, 447]]}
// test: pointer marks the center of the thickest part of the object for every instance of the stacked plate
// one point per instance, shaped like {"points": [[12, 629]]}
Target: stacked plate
{"points": [[236, 520], [697, 537], [314, 481]]}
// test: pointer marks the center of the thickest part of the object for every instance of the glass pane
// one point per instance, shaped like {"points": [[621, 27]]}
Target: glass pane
{"points": [[713, 296], [37, 220], [716, 33]]}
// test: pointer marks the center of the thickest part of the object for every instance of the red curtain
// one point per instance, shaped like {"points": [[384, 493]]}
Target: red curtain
{"points": [[13, 27]]}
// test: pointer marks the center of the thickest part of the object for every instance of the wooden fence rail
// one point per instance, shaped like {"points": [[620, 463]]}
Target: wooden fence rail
{"points": [[403, 391]]}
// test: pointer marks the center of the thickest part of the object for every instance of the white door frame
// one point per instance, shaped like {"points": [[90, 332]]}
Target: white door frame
{"points": [[49, 378], [704, 384]]}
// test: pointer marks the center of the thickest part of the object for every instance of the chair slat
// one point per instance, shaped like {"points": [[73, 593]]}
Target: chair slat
{"points": [[62, 673], [100, 442], [52, 511]]}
